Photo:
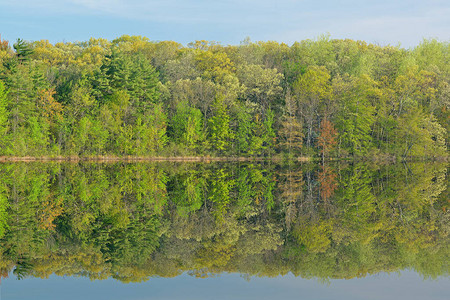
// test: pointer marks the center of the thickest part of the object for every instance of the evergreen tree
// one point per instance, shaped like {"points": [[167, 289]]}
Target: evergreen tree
{"points": [[23, 50]]}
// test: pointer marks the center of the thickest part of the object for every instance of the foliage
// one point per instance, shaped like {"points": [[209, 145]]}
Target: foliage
{"points": [[135, 221], [327, 137], [134, 96]]}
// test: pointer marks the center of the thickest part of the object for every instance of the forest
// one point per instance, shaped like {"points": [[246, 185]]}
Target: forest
{"points": [[133, 221], [131, 96]]}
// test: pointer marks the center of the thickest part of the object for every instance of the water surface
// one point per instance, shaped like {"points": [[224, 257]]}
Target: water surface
{"points": [[230, 230]]}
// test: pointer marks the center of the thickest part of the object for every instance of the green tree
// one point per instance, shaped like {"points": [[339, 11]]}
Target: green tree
{"points": [[262, 85], [4, 113], [23, 50], [220, 132], [214, 65], [243, 132], [187, 126], [419, 135], [132, 73], [355, 117]]}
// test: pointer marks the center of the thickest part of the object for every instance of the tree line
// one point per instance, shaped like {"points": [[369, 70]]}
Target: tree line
{"points": [[134, 96]]}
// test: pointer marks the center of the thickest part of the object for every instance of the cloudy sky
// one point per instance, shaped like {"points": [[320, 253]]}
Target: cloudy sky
{"points": [[404, 22]]}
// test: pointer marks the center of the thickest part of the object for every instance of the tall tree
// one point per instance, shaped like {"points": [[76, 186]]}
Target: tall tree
{"points": [[311, 89], [290, 135], [327, 137], [355, 117], [187, 126], [4, 114], [219, 126]]}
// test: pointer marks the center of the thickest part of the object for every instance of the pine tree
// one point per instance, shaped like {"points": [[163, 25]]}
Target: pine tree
{"points": [[23, 50]]}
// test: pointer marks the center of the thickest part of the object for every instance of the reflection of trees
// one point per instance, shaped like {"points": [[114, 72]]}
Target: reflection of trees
{"points": [[139, 220], [290, 186], [383, 218], [328, 185]]}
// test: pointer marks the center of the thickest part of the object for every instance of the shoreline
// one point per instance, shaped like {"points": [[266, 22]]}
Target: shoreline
{"points": [[207, 159], [141, 159]]}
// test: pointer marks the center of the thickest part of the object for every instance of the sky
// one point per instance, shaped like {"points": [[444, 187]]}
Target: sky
{"points": [[384, 22]]}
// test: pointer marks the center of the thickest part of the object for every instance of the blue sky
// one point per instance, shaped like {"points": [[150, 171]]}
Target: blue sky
{"points": [[384, 22]]}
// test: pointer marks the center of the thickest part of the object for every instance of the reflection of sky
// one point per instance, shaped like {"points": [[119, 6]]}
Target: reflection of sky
{"points": [[230, 286], [227, 21]]}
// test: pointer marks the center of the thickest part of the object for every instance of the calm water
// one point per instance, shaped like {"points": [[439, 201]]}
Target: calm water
{"points": [[408, 285], [224, 231]]}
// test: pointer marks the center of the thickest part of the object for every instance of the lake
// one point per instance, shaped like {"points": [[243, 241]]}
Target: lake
{"points": [[224, 230]]}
